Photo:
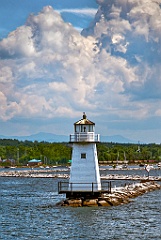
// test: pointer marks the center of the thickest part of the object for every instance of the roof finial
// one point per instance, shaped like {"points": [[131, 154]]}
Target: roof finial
{"points": [[84, 115]]}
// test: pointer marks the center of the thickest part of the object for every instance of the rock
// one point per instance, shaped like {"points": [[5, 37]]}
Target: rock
{"points": [[74, 202], [117, 197], [90, 202], [126, 201], [104, 203], [114, 201], [59, 203]]}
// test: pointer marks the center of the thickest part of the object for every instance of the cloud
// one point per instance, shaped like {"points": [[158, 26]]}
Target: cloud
{"points": [[112, 70], [131, 31], [82, 11], [45, 67]]}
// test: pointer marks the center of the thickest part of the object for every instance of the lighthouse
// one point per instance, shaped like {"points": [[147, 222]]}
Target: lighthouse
{"points": [[84, 172]]}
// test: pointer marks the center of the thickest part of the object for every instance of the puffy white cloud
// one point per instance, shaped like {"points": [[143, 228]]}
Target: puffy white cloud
{"points": [[18, 44], [130, 30], [47, 68], [5, 74], [8, 109]]}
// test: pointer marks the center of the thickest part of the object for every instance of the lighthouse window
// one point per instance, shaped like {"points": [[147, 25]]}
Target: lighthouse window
{"points": [[83, 155]]}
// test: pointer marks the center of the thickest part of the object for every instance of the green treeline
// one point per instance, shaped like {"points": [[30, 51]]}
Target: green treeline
{"points": [[60, 153], [133, 153], [22, 152]]}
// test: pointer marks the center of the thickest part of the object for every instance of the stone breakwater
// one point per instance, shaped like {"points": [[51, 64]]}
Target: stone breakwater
{"points": [[54, 173], [118, 196], [63, 173]]}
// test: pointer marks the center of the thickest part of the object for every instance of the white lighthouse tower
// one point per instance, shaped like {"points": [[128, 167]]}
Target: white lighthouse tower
{"points": [[84, 173]]}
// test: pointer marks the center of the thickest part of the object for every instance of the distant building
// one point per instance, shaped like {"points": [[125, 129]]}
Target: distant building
{"points": [[8, 161], [34, 162]]}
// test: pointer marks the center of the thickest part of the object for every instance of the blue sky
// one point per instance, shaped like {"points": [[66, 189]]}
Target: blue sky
{"points": [[50, 72], [13, 13]]}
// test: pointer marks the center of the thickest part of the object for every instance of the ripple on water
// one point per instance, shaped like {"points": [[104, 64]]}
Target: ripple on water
{"points": [[28, 211]]}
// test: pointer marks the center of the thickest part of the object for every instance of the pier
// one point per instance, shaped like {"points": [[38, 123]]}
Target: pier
{"points": [[117, 196]]}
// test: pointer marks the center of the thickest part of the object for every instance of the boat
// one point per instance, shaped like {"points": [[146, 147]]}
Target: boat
{"points": [[41, 166], [119, 167], [124, 166], [125, 162]]}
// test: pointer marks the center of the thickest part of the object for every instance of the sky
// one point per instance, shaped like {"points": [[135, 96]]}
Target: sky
{"points": [[60, 58]]}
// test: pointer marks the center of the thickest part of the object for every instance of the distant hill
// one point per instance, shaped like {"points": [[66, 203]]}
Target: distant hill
{"points": [[42, 136], [50, 137], [116, 139]]}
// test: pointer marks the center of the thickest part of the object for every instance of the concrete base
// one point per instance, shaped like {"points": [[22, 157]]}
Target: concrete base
{"points": [[83, 195]]}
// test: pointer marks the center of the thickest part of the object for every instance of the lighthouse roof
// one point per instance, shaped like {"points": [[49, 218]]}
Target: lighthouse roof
{"points": [[84, 121]]}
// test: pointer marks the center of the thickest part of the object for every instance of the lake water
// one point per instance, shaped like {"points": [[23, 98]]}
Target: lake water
{"points": [[28, 211]]}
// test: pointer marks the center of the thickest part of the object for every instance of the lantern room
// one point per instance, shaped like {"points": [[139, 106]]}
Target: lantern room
{"points": [[84, 131], [84, 125]]}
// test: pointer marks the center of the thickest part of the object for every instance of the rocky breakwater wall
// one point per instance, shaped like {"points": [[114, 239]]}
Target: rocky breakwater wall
{"points": [[33, 173], [117, 196]]}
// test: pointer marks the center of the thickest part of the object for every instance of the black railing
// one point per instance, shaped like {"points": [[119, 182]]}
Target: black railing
{"points": [[66, 187]]}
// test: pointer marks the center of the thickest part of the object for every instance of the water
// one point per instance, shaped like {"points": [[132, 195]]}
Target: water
{"points": [[28, 211], [131, 171]]}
